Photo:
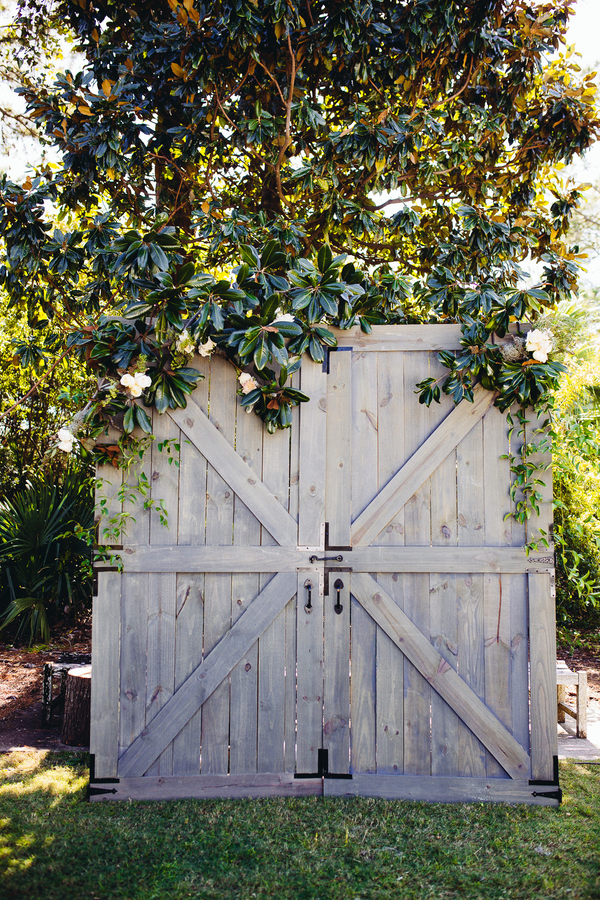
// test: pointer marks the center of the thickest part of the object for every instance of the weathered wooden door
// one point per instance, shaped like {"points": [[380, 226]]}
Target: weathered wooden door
{"points": [[341, 608]]}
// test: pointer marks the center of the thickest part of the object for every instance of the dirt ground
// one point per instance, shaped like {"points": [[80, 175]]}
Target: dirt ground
{"points": [[21, 691], [21, 687]]}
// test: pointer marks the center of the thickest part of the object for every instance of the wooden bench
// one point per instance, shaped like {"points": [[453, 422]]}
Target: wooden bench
{"points": [[565, 677]]}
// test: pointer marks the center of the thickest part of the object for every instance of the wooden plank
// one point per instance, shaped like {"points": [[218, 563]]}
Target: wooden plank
{"points": [[189, 629], [419, 467], [542, 654], [192, 473], [207, 677], [338, 506], [104, 716], [311, 518], [291, 615], [443, 622], [363, 631], [437, 790], [165, 481], [134, 655], [471, 508], [516, 588], [419, 424], [542, 617], [405, 338], [388, 558], [497, 598], [271, 644], [497, 654], [160, 677], [390, 664], [244, 588], [209, 787], [338, 513], [217, 587], [223, 458], [107, 502], [189, 626], [440, 675], [312, 457]]}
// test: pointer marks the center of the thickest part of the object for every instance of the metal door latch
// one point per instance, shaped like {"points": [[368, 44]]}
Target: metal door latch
{"points": [[314, 559], [308, 585], [338, 585]]}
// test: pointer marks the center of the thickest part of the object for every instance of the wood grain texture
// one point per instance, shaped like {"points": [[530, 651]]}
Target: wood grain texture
{"points": [[363, 631], [189, 628], [419, 467], [133, 662], [209, 787], [219, 530], [243, 722], [160, 677], [311, 518], [471, 532], [542, 654], [390, 664], [437, 790], [408, 338], [440, 675], [240, 478], [149, 744], [106, 627]]}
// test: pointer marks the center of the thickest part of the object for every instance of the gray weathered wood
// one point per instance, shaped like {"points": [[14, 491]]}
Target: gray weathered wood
{"points": [[440, 675], [390, 667], [219, 530], [311, 519], [132, 684], [106, 627], [160, 677], [149, 744], [244, 588], [471, 532], [542, 654], [419, 467], [223, 458], [363, 631], [411, 338], [189, 629], [208, 787], [437, 790], [271, 645]]}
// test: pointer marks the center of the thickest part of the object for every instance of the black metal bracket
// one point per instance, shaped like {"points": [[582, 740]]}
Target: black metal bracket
{"points": [[556, 794], [328, 546], [328, 350], [99, 781]]}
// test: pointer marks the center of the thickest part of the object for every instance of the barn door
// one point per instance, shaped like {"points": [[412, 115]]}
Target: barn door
{"points": [[338, 607], [440, 604]]}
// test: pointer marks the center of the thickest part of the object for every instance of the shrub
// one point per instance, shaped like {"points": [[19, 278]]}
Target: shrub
{"points": [[45, 551]]}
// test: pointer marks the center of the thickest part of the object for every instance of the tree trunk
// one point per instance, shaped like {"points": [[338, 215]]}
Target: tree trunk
{"points": [[75, 729]]}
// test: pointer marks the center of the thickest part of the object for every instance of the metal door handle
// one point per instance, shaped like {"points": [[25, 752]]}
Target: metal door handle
{"points": [[308, 585], [338, 585]]}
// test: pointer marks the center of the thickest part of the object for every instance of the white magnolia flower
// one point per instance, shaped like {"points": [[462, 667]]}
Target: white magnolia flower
{"points": [[207, 348], [65, 440], [539, 343], [135, 384], [247, 382], [185, 343]]}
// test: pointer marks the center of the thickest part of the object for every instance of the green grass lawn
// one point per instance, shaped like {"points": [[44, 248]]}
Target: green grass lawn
{"points": [[53, 844]]}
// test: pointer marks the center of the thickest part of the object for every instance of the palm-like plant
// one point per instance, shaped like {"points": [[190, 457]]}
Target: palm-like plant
{"points": [[45, 553]]}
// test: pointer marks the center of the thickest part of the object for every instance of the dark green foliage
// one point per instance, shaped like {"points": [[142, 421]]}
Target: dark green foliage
{"points": [[197, 134], [45, 552]]}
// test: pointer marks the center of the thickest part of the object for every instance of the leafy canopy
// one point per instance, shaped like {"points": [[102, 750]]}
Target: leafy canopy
{"points": [[346, 162]]}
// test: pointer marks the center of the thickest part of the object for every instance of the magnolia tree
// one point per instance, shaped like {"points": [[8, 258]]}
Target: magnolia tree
{"points": [[237, 177]]}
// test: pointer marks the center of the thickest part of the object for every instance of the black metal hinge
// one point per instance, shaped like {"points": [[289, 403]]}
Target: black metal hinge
{"points": [[328, 350], [556, 794], [92, 790]]}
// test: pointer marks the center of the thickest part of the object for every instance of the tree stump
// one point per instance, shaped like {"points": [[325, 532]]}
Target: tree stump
{"points": [[75, 729]]}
